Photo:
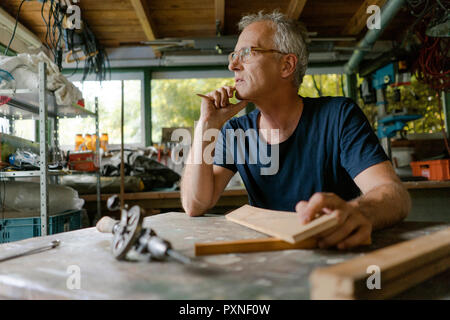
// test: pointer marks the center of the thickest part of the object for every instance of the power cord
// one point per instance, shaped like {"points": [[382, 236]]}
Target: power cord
{"points": [[15, 27]]}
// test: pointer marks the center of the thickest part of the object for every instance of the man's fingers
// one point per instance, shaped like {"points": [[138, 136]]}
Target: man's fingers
{"points": [[319, 201], [216, 96], [341, 219], [224, 97], [360, 237], [341, 233], [230, 91], [301, 206]]}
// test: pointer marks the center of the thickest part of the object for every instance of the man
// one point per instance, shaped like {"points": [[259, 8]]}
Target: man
{"points": [[328, 153]]}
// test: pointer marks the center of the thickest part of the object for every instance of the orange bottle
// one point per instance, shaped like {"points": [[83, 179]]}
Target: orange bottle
{"points": [[94, 142], [88, 141], [78, 142], [104, 142]]}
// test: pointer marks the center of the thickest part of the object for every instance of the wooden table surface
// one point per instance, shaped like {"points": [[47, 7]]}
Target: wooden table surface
{"points": [[238, 192], [264, 275]]}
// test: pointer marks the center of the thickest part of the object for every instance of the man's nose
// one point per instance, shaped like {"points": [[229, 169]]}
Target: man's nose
{"points": [[235, 64]]}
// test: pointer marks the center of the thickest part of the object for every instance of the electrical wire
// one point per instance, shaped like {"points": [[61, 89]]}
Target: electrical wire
{"points": [[15, 27], [95, 57]]}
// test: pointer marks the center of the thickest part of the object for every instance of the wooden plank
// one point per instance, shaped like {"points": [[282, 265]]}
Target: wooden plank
{"points": [[180, 4], [251, 245], [280, 224], [426, 184], [295, 9], [143, 13], [402, 266], [183, 17], [159, 195], [358, 21], [219, 13]]}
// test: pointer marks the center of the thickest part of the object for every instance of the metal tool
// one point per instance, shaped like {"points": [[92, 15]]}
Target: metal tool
{"points": [[53, 244], [132, 240]]}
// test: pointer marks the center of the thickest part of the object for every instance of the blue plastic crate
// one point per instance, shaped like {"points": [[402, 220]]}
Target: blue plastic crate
{"points": [[23, 228]]}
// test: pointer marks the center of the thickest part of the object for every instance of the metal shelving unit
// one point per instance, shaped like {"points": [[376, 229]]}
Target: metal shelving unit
{"points": [[25, 104]]}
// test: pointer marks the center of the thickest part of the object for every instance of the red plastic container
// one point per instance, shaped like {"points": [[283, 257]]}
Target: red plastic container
{"points": [[83, 161], [432, 169]]}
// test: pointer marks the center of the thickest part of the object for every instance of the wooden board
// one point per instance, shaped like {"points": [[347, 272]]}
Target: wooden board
{"points": [[280, 224], [251, 245], [402, 266]]}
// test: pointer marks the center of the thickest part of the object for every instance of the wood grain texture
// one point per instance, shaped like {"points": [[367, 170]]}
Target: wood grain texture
{"points": [[142, 11], [295, 9], [402, 266], [219, 12], [251, 245], [358, 21], [280, 224]]}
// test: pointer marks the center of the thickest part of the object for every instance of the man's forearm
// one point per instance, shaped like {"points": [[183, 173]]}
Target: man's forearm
{"points": [[384, 205], [197, 184]]}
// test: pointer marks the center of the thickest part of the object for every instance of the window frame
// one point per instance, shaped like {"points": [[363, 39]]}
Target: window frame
{"points": [[117, 75]]}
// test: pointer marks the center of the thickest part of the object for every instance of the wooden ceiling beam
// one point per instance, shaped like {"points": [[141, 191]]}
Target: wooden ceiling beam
{"points": [[358, 21], [295, 9], [219, 12], [143, 13]]}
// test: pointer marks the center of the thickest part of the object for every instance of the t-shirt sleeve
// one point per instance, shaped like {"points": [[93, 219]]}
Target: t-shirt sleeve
{"points": [[360, 147], [224, 153]]}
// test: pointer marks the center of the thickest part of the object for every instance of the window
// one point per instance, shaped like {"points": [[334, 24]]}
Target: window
{"points": [[175, 103], [25, 128], [109, 102], [322, 84]]}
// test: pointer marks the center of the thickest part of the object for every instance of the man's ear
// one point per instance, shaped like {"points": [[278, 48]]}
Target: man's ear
{"points": [[288, 64]]}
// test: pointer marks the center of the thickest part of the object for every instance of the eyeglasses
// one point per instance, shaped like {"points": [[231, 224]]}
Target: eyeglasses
{"points": [[245, 53]]}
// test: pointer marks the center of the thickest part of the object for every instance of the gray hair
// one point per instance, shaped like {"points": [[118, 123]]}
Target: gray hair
{"points": [[290, 37]]}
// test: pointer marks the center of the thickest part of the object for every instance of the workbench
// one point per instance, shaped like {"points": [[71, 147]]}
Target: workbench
{"points": [[430, 201], [262, 275]]}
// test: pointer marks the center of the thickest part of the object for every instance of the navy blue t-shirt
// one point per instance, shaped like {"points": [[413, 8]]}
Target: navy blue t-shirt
{"points": [[332, 144]]}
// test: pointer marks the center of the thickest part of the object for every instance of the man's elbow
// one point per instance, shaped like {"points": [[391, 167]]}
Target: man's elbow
{"points": [[406, 203], [192, 209]]}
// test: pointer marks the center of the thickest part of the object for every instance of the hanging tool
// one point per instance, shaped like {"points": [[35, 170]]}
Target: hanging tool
{"points": [[133, 241], [53, 244]]}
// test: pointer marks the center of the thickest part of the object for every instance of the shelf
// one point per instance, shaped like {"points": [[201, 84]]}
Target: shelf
{"points": [[36, 173], [25, 105]]}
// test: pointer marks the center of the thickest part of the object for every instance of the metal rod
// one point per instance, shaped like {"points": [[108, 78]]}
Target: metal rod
{"points": [[388, 11], [53, 244], [122, 171], [43, 128], [178, 256], [97, 148]]}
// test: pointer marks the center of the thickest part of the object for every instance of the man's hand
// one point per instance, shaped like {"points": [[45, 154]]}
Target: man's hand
{"points": [[353, 228], [216, 110]]}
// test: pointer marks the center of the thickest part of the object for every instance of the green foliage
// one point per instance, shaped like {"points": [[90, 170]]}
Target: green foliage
{"points": [[426, 104], [327, 84], [175, 103]]}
